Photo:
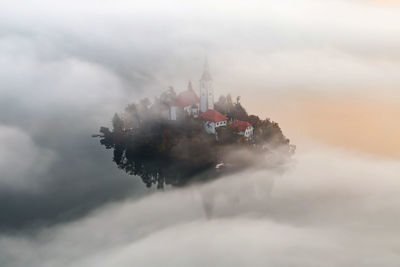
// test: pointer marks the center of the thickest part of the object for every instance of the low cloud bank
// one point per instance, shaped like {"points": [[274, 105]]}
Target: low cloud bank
{"points": [[22, 162], [330, 209]]}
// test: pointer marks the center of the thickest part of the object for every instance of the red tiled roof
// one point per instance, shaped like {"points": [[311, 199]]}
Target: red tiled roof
{"points": [[213, 115], [186, 98], [240, 125]]}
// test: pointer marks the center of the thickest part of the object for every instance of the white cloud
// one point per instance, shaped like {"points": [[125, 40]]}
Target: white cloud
{"points": [[22, 162], [331, 209], [285, 46], [47, 77]]}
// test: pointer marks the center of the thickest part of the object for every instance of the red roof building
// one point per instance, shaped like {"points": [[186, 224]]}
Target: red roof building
{"points": [[213, 115], [241, 126], [185, 99]]}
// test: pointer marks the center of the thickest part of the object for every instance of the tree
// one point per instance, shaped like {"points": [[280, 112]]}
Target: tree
{"points": [[168, 96], [145, 103], [255, 121], [239, 113], [131, 117], [118, 124]]}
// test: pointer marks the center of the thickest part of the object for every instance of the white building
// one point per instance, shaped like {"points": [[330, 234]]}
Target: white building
{"points": [[243, 128], [206, 90], [212, 119]]}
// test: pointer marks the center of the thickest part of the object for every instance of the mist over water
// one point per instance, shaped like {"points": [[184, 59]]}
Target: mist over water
{"points": [[331, 209]]}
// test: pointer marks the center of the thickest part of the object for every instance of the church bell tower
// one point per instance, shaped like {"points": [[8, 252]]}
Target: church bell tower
{"points": [[206, 90]]}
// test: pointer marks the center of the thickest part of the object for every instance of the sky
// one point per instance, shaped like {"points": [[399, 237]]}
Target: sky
{"points": [[326, 71]]}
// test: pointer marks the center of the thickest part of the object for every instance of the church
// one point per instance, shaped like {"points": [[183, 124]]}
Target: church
{"points": [[187, 103]]}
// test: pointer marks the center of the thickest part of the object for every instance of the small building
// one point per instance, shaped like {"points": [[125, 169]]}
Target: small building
{"points": [[186, 102], [243, 128], [212, 119]]}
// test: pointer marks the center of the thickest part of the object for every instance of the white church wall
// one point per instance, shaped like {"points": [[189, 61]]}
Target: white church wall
{"points": [[203, 96], [210, 100], [206, 94]]}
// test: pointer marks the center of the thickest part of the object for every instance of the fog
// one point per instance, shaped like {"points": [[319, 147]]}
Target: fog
{"points": [[331, 209], [67, 67]]}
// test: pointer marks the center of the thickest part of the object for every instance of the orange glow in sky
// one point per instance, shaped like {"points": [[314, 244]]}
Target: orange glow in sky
{"points": [[365, 125]]}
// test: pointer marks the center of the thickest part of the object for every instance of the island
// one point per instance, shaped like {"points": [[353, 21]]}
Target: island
{"points": [[181, 138]]}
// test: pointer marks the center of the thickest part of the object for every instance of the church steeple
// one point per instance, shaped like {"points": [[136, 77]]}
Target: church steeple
{"points": [[206, 90], [206, 72]]}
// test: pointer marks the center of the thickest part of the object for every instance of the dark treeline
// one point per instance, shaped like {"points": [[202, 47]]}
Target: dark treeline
{"points": [[164, 152]]}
